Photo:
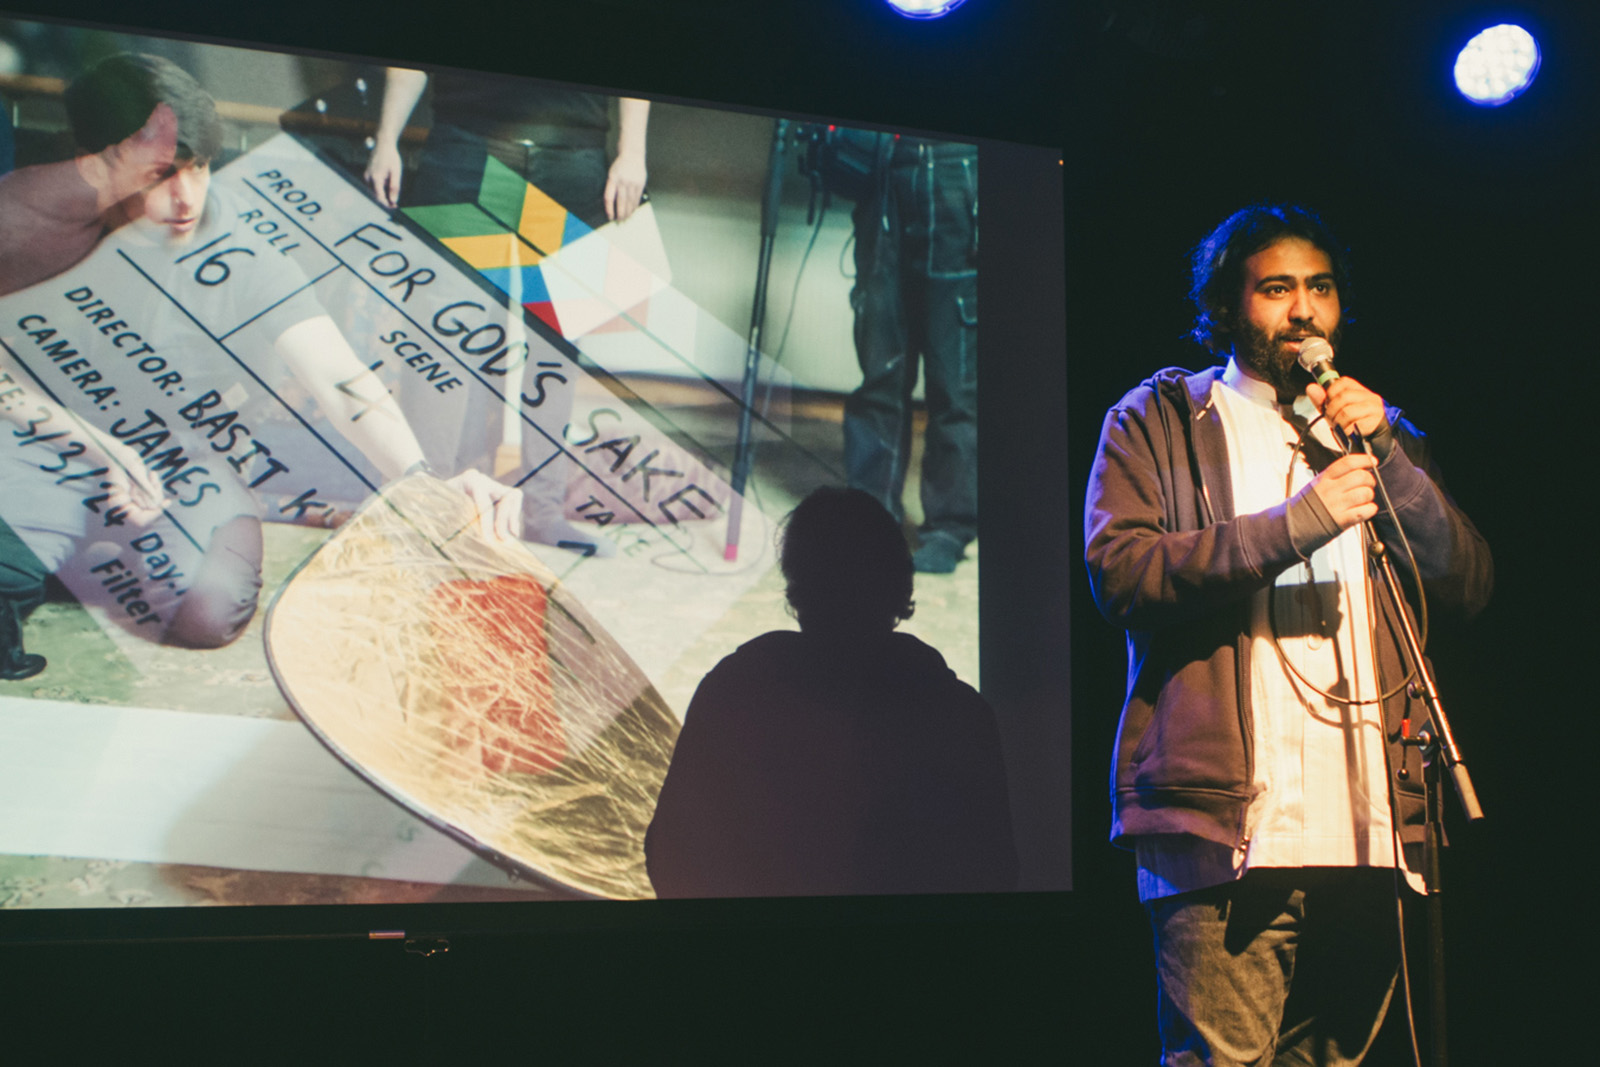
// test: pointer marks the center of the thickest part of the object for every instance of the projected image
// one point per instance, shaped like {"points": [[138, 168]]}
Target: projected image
{"points": [[386, 456]]}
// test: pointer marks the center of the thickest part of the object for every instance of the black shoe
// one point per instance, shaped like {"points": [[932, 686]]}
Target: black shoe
{"points": [[15, 664], [938, 554]]}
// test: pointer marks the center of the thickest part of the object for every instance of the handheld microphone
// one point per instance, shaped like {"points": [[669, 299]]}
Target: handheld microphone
{"points": [[1316, 356]]}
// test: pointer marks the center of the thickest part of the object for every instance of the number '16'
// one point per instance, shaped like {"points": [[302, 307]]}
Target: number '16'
{"points": [[212, 270]]}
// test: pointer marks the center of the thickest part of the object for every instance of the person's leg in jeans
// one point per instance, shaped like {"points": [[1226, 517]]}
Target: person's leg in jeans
{"points": [[1347, 964], [946, 194], [877, 415], [1224, 964], [22, 589], [1268, 971]]}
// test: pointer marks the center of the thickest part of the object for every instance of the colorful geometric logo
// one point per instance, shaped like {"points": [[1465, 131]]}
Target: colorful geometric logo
{"points": [[507, 235]]}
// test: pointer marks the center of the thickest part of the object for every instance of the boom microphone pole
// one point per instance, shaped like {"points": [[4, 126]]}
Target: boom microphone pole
{"points": [[744, 449], [1436, 742]]}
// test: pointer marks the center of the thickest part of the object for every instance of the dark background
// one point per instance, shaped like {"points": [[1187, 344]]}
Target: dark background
{"points": [[1474, 232]]}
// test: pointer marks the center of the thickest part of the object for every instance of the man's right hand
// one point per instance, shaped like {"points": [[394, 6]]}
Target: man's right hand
{"points": [[1347, 488], [383, 174]]}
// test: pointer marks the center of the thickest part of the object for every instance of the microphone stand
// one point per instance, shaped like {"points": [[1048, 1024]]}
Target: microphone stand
{"points": [[1438, 747], [744, 448]]}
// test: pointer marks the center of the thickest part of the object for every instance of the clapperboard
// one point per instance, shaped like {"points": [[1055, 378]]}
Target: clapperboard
{"points": [[502, 308]]}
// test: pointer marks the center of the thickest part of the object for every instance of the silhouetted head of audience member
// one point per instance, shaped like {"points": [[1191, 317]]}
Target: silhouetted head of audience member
{"points": [[846, 565], [114, 99]]}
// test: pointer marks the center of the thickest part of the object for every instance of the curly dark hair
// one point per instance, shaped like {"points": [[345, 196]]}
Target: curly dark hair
{"points": [[846, 564], [113, 99], [1219, 264]]}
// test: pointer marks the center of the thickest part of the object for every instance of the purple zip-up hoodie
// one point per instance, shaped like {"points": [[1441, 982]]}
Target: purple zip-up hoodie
{"points": [[1171, 563]]}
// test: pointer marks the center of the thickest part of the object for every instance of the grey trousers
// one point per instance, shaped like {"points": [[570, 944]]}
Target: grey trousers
{"points": [[1284, 966]]}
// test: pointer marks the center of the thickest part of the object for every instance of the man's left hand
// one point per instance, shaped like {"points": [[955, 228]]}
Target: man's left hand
{"points": [[1350, 406]]}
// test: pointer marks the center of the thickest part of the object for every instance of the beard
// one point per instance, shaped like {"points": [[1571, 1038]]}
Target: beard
{"points": [[1269, 357]]}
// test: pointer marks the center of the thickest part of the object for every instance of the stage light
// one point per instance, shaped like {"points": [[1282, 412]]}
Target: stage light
{"points": [[925, 9], [1497, 65]]}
